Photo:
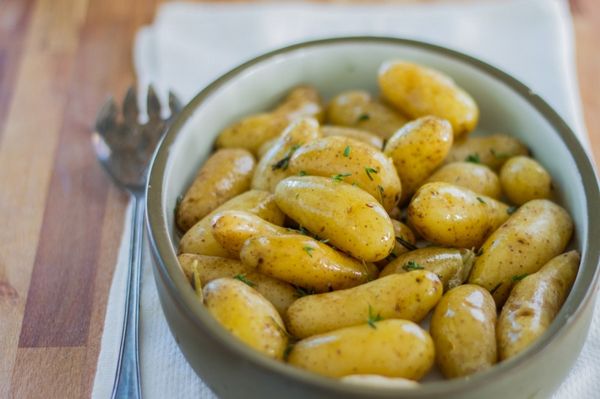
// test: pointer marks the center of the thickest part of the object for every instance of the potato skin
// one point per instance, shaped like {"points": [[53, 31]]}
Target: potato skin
{"points": [[199, 239], [492, 150], [417, 91], [454, 216], [209, 268], [524, 179], [394, 348], [305, 262], [418, 149], [408, 296], [245, 313], [534, 234], [341, 156], [533, 304], [224, 175], [463, 330], [356, 134], [349, 217], [451, 265], [252, 131], [476, 177], [356, 108], [302, 101]]}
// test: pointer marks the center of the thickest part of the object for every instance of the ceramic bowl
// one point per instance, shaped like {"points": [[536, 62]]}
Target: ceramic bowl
{"points": [[233, 370]]}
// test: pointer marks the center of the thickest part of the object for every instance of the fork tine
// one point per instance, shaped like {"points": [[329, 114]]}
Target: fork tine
{"points": [[153, 104], [130, 107], [107, 116], [174, 104]]}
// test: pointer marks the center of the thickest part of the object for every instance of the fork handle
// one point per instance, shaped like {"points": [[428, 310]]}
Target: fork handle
{"points": [[127, 378]]}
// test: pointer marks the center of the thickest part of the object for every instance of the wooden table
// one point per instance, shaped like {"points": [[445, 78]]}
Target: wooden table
{"points": [[61, 218]]}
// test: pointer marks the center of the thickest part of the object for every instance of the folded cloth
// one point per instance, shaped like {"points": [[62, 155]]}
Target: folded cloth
{"points": [[189, 45]]}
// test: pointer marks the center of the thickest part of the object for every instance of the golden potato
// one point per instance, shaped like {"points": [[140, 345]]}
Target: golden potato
{"points": [[524, 179], [390, 348], [533, 304], [252, 131], [492, 150], [476, 177], [463, 331], [265, 147], [454, 216], [356, 134], [417, 91], [418, 149], [245, 313], [408, 296], [302, 101], [534, 234], [350, 218], [224, 175], [451, 265], [199, 239], [356, 108], [351, 161], [305, 262]]}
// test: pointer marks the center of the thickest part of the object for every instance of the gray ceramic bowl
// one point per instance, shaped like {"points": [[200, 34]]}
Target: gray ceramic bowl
{"points": [[332, 65]]}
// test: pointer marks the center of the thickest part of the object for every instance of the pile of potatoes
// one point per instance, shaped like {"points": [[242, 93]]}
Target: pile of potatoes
{"points": [[324, 236]]}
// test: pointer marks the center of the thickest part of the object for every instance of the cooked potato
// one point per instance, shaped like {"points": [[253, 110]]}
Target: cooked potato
{"points": [[451, 265], [373, 380], [493, 150], [351, 161], [534, 302], [265, 147], [524, 179], [390, 348], [463, 331], [356, 108], [454, 216], [418, 91], [418, 149], [476, 177], [356, 134], [302, 101], [209, 268], [305, 262], [350, 218], [408, 296], [199, 239], [245, 313], [224, 175], [252, 131], [273, 166], [534, 234]]}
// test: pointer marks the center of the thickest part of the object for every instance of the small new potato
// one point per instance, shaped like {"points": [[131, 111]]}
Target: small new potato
{"points": [[252, 132], [349, 217], [302, 101], [492, 150], [534, 234], [463, 331], [356, 134], [533, 304], [245, 313], [305, 262], [524, 179], [476, 177], [454, 216], [416, 91], [390, 348], [418, 149], [224, 175], [353, 162]]}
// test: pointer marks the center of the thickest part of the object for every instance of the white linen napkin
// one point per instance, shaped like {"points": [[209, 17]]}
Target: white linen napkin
{"points": [[191, 44]]}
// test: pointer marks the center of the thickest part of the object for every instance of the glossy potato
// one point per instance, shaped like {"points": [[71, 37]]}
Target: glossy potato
{"points": [[356, 108], [408, 296], [418, 149], [350, 218], [463, 331], [451, 265], [533, 304], [302, 101], [224, 175], [378, 381], [454, 216], [353, 133], [245, 313], [416, 91], [534, 234], [476, 177], [200, 240], [524, 179], [390, 348], [492, 150], [353, 162], [252, 131]]}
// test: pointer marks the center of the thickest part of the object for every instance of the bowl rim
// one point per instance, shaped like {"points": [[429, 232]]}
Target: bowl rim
{"points": [[181, 292]]}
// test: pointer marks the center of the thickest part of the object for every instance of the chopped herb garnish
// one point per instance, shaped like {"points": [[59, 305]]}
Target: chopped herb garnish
{"points": [[519, 277], [283, 163], [363, 117], [340, 176], [481, 200], [474, 158], [373, 318], [244, 280], [412, 265], [300, 292], [405, 244], [303, 230], [511, 209], [391, 256], [370, 170], [308, 250], [347, 151], [500, 155], [495, 288], [302, 173]]}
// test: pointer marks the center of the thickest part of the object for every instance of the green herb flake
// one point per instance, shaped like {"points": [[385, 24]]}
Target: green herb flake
{"points": [[481, 200], [473, 158], [340, 176], [347, 151], [393, 255], [500, 155], [302, 173], [405, 244], [244, 280], [308, 250], [373, 318], [300, 292], [519, 277], [369, 170], [511, 209], [363, 117], [412, 265], [284, 162], [303, 230]]}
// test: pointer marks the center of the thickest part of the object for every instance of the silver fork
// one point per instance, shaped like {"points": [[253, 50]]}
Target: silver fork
{"points": [[124, 148]]}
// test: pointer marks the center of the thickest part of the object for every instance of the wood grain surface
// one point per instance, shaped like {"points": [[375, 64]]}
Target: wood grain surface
{"points": [[61, 218]]}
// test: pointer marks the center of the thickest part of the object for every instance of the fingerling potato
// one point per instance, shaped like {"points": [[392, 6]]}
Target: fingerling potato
{"points": [[476, 177], [524, 179], [356, 134], [252, 132], [492, 151], [302, 101]]}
